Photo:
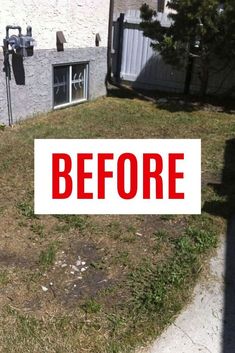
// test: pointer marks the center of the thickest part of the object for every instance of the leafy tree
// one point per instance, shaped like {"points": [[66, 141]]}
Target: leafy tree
{"points": [[204, 30]]}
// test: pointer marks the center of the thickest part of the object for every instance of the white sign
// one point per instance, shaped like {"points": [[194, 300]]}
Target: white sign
{"points": [[117, 176]]}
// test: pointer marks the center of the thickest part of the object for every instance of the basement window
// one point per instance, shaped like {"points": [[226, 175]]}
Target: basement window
{"points": [[70, 84]]}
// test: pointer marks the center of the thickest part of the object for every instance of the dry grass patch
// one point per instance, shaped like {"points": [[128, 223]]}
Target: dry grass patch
{"points": [[99, 283]]}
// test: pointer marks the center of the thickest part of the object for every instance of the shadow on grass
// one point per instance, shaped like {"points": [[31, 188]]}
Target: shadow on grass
{"points": [[227, 210], [174, 102]]}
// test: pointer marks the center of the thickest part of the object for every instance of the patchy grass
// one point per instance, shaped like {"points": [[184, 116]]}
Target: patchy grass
{"points": [[91, 306], [113, 281], [47, 257], [26, 210], [74, 222], [38, 229], [3, 278]]}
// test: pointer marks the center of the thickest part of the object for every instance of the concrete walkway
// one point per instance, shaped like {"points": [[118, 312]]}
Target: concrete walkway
{"points": [[199, 328]]}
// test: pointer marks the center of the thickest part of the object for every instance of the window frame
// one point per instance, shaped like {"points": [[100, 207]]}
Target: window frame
{"points": [[70, 65]]}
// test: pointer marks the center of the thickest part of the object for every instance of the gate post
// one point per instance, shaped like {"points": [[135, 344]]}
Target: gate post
{"points": [[120, 46]]}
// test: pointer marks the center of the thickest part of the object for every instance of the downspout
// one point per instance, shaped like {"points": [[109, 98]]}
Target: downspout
{"points": [[109, 49]]}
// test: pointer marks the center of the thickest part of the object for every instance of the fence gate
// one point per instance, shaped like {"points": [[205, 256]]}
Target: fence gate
{"points": [[134, 59]]}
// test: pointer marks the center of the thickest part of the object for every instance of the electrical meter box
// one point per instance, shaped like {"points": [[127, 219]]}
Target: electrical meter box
{"points": [[21, 44]]}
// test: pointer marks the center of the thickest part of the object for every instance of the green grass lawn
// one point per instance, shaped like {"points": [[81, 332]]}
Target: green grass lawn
{"points": [[102, 284]]}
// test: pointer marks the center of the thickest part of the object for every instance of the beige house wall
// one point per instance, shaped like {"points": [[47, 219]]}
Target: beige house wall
{"points": [[79, 20], [124, 5]]}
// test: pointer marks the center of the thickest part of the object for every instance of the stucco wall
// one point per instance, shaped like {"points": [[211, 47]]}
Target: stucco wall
{"points": [[37, 94], [80, 20], [124, 5]]}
